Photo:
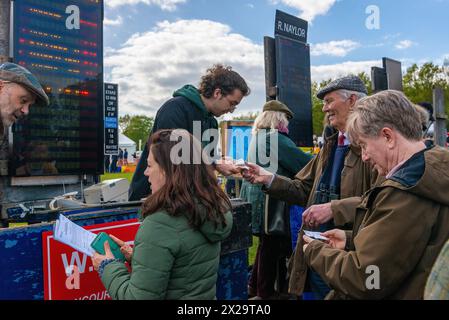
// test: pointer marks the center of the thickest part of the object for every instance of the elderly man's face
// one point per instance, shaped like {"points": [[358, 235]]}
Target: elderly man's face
{"points": [[376, 152], [15, 102], [337, 109]]}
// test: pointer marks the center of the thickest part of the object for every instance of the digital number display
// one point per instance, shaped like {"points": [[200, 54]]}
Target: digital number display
{"points": [[61, 42]]}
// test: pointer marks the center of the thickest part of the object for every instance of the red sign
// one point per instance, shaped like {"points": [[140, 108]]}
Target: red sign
{"points": [[69, 274]]}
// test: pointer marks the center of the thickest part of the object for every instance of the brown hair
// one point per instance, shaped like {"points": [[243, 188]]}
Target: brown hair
{"points": [[223, 78], [187, 185]]}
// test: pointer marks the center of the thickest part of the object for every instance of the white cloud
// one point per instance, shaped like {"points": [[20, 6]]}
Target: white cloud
{"points": [[117, 22], [309, 8], [168, 5], [151, 65], [334, 71], [333, 48], [404, 44], [392, 36]]}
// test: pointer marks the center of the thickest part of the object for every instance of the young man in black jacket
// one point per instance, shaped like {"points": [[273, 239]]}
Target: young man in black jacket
{"points": [[220, 91]]}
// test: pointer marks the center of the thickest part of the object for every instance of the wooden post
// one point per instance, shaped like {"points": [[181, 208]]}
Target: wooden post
{"points": [[4, 29], [440, 130]]}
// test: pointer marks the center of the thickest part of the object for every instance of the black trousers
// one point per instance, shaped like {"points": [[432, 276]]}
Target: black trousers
{"points": [[270, 265]]}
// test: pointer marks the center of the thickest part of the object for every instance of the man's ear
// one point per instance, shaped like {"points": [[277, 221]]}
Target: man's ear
{"points": [[217, 93], [389, 135], [353, 100]]}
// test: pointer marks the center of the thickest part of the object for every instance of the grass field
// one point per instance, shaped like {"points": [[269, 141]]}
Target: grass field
{"points": [[252, 250], [108, 176]]}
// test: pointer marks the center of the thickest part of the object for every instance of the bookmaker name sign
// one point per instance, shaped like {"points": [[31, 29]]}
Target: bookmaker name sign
{"points": [[69, 274]]}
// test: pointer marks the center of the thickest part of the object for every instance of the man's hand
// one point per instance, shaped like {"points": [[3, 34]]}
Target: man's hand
{"points": [[307, 241], [316, 215], [337, 238], [227, 167], [256, 175]]}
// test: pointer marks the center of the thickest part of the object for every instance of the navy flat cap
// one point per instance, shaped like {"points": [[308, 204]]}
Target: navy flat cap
{"points": [[352, 83]]}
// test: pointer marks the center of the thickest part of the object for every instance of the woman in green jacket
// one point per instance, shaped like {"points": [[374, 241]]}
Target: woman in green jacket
{"points": [[177, 247], [271, 148]]}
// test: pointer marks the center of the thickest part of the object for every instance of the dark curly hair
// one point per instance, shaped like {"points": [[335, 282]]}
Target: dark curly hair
{"points": [[223, 78]]}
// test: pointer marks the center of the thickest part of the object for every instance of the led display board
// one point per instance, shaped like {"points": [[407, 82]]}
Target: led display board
{"points": [[61, 42]]}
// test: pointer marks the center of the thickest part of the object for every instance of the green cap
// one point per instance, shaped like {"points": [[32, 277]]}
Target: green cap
{"points": [[14, 73], [275, 105]]}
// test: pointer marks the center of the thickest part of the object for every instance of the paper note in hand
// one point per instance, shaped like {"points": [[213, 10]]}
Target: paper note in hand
{"points": [[73, 235], [241, 163], [315, 235]]}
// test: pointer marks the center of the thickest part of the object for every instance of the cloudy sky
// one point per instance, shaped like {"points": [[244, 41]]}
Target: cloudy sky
{"points": [[153, 47]]}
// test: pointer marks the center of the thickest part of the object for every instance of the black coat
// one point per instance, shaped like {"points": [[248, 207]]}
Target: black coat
{"points": [[177, 113]]}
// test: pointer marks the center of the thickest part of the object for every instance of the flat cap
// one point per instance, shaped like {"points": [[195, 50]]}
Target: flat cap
{"points": [[352, 83], [14, 73], [275, 105]]}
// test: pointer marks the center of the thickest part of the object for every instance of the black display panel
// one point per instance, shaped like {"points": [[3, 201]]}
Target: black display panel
{"points": [[294, 87], [379, 80], [394, 73], [111, 119], [61, 42]]}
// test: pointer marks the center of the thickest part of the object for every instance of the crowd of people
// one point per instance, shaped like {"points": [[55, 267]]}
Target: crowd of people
{"points": [[376, 224]]}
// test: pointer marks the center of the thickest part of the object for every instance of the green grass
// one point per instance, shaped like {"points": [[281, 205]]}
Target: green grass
{"points": [[251, 252], [108, 176]]}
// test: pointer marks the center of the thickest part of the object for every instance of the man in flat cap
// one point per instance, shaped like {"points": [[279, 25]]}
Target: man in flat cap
{"points": [[337, 172], [19, 90]]}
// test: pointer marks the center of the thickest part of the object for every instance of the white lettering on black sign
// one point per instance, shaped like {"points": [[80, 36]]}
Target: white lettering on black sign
{"points": [[294, 30], [111, 119]]}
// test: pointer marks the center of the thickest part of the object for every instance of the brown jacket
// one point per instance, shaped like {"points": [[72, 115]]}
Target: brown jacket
{"points": [[400, 227], [356, 178]]}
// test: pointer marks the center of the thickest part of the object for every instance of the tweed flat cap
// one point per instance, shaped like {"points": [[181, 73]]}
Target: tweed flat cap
{"points": [[14, 73], [275, 105], [352, 83]]}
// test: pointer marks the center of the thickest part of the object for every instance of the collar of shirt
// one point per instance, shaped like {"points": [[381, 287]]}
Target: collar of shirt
{"points": [[396, 168], [347, 142]]}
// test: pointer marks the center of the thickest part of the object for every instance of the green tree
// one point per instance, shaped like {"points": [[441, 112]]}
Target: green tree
{"points": [[367, 81], [317, 107], [419, 83], [136, 127], [123, 122]]}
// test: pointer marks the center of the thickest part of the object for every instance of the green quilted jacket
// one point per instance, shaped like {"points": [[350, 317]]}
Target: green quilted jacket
{"points": [[170, 261]]}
